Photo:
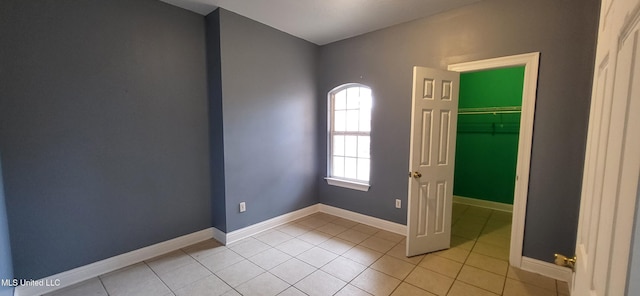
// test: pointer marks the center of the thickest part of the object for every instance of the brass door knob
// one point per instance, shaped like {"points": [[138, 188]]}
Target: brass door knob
{"points": [[417, 175], [565, 261]]}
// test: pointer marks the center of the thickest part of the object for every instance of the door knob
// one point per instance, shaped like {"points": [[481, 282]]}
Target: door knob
{"points": [[563, 260], [417, 175]]}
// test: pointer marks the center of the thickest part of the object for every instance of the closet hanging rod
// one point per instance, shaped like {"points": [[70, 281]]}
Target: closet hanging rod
{"points": [[490, 110]]}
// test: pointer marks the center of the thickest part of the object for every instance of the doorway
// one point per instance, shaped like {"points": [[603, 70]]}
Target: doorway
{"points": [[489, 108], [530, 63]]}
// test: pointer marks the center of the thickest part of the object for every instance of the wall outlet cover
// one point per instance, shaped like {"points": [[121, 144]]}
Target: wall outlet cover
{"points": [[398, 203], [243, 207]]}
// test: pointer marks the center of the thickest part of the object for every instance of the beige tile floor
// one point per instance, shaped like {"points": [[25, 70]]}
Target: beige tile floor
{"points": [[325, 255]]}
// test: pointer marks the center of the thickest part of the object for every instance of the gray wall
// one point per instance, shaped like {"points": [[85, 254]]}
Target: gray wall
{"points": [[103, 129], [6, 266], [563, 31], [216, 136], [269, 124]]}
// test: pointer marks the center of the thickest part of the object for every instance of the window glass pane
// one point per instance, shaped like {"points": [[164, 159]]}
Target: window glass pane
{"points": [[341, 100], [339, 121], [365, 103], [352, 120], [338, 145], [365, 120], [363, 169], [353, 98], [350, 168], [365, 96], [338, 166], [363, 147], [351, 146]]}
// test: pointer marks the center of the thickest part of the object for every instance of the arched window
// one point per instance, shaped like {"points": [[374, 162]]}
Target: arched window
{"points": [[349, 160]]}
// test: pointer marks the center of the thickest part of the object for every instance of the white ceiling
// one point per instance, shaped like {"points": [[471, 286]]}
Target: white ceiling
{"points": [[326, 21]]}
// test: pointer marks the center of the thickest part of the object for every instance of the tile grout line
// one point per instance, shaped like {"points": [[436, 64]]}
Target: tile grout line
{"points": [[469, 254], [317, 245], [355, 245], [158, 276], [369, 266], [414, 268], [320, 268], [103, 286], [213, 273], [245, 258]]}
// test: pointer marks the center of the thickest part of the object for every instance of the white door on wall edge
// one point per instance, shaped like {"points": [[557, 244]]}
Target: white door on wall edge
{"points": [[431, 162], [612, 158]]}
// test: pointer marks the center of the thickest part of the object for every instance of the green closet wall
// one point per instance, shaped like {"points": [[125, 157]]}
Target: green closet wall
{"points": [[487, 144]]}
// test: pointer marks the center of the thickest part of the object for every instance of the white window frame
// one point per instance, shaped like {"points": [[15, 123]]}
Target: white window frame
{"points": [[342, 181]]}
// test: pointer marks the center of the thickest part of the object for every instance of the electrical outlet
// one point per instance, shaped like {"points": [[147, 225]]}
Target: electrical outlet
{"points": [[243, 207], [398, 203]]}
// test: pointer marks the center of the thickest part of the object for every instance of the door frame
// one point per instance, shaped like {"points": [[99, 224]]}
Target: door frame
{"points": [[530, 61]]}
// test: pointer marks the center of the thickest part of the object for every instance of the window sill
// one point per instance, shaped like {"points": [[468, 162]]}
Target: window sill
{"points": [[347, 184]]}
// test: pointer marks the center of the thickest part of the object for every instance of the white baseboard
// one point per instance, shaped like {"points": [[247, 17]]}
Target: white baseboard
{"points": [[364, 219], [219, 235], [92, 270], [254, 229], [547, 269], [286, 218], [498, 206]]}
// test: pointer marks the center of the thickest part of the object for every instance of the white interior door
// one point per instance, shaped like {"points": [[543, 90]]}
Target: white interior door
{"points": [[612, 160], [431, 164]]}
